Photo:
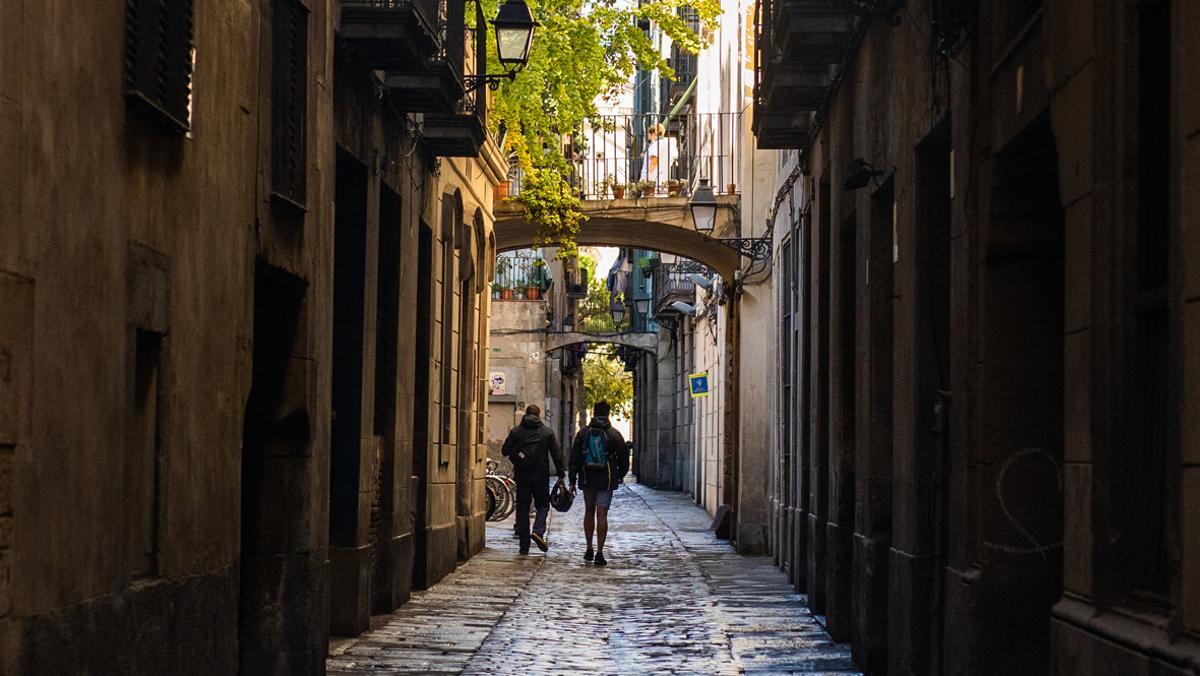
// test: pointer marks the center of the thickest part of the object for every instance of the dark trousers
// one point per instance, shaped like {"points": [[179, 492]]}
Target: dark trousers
{"points": [[537, 492]]}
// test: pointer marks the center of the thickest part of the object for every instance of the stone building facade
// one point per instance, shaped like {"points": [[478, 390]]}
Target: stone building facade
{"points": [[524, 365], [984, 299], [242, 331]]}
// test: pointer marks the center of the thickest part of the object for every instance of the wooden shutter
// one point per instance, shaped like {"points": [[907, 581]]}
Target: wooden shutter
{"points": [[158, 60], [289, 100]]}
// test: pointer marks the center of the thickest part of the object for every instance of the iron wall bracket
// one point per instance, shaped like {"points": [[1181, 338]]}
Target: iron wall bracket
{"points": [[756, 249]]}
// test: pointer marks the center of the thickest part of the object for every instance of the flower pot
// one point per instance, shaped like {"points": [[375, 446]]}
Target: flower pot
{"points": [[506, 294], [500, 191], [731, 188], [533, 293], [619, 192]]}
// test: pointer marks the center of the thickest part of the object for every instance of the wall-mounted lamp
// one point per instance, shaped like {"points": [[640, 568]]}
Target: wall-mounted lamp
{"points": [[514, 26], [700, 280], [685, 308], [859, 173], [703, 205], [618, 311]]}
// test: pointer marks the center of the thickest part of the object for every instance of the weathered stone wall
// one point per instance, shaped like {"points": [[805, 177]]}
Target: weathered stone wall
{"points": [[971, 323], [167, 355], [129, 253]]}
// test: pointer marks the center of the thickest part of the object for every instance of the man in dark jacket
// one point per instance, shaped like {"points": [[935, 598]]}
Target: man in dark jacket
{"points": [[599, 461], [527, 448]]}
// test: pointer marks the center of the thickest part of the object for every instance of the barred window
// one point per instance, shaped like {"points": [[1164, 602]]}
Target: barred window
{"points": [[158, 60], [289, 100]]}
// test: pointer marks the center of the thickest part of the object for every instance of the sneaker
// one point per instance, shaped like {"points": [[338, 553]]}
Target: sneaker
{"points": [[540, 541], [589, 554], [600, 560]]}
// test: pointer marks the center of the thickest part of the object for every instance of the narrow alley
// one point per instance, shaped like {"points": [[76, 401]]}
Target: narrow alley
{"points": [[673, 599], [892, 307]]}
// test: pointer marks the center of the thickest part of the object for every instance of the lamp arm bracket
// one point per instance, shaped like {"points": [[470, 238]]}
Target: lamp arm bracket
{"points": [[756, 248], [491, 80]]}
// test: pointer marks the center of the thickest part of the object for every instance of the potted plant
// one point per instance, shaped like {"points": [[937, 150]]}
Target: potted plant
{"points": [[731, 189], [607, 183], [646, 265], [497, 288], [674, 187], [506, 292], [618, 190], [533, 291], [635, 189]]}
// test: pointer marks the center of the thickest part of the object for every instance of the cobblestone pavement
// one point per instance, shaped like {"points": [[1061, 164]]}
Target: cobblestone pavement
{"points": [[673, 600]]}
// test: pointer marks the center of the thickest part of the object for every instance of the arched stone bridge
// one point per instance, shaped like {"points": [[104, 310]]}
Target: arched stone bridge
{"points": [[647, 342], [655, 223]]}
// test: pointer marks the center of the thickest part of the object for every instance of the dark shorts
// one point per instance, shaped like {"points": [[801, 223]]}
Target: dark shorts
{"points": [[592, 496]]}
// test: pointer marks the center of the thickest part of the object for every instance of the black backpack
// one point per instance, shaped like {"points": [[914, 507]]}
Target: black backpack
{"points": [[527, 456]]}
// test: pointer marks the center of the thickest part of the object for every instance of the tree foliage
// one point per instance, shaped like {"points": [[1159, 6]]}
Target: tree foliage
{"points": [[605, 379], [584, 50], [593, 314]]}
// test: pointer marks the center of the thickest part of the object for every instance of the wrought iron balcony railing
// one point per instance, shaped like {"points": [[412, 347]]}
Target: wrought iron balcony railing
{"points": [[611, 156], [671, 283]]}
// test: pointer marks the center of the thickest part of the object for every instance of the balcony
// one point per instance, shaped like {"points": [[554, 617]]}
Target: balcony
{"points": [[388, 34], [521, 275], [799, 46], [672, 284], [433, 84], [608, 155], [464, 132]]}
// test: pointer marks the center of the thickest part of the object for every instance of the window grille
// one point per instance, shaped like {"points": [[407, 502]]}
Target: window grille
{"points": [[158, 60], [289, 100]]}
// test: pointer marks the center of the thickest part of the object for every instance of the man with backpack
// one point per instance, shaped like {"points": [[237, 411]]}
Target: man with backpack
{"points": [[599, 461], [527, 448]]}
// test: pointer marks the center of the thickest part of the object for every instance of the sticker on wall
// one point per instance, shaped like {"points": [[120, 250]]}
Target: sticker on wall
{"points": [[497, 383], [699, 384]]}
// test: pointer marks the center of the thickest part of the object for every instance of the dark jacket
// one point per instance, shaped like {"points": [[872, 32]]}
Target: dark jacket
{"points": [[538, 440], [618, 458]]}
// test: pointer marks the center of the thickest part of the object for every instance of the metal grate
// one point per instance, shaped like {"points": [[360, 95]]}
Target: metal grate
{"points": [[289, 100], [158, 60]]}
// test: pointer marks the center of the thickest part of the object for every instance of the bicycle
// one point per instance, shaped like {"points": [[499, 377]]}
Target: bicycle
{"points": [[501, 492]]}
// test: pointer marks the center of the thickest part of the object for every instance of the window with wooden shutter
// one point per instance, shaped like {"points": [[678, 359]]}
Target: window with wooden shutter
{"points": [[158, 60], [289, 100]]}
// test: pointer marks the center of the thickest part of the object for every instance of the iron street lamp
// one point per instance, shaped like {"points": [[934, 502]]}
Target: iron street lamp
{"points": [[618, 311], [703, 204], [643, 306], [704, 208], [514, 26]]}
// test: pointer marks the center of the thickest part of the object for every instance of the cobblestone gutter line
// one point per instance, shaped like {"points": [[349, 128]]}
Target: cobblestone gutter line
{"points": [[675, 600]]}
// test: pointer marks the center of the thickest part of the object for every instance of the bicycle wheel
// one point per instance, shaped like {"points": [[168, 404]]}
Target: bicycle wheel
{"points": [[497, 493], [508, 502], [490, 497]]}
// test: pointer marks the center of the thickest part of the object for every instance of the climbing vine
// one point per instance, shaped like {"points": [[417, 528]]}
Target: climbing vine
{"points": [[552, 205], [584, 51]]}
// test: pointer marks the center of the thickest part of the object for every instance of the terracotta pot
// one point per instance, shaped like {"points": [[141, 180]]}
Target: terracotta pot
{"points": [[505, 294], [500, 191], [619, 192], [731, 188], [533, 293]]}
